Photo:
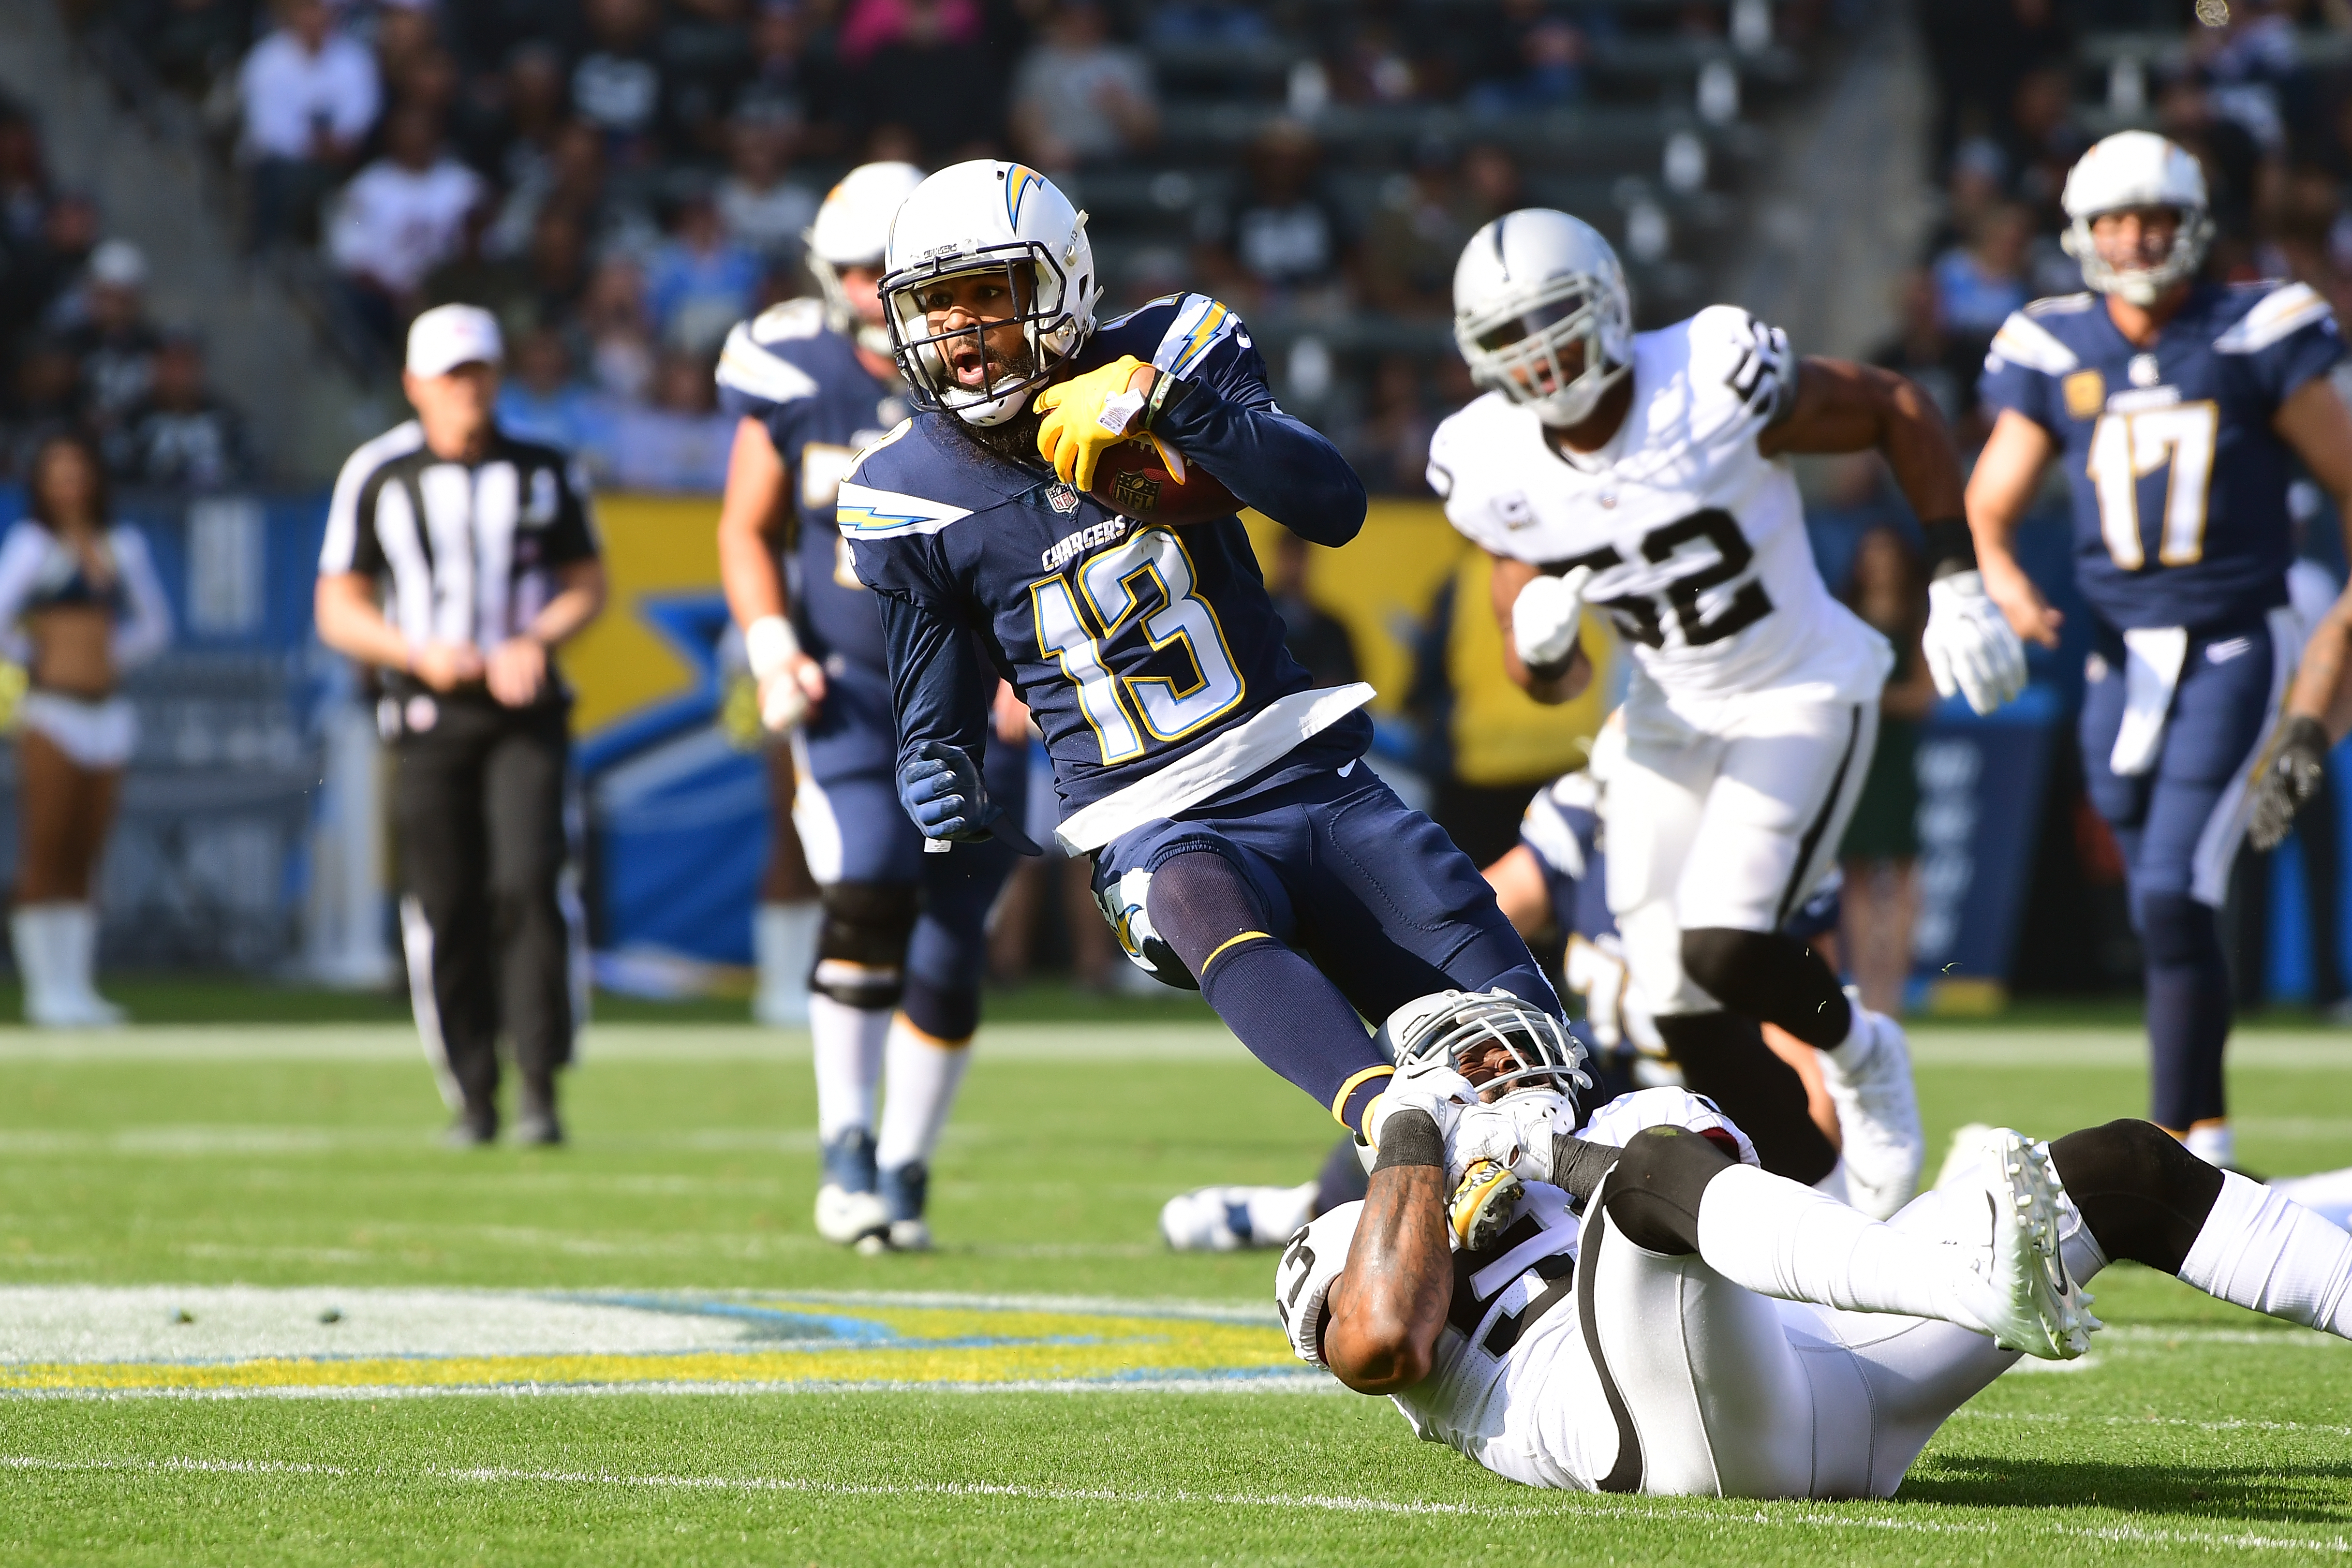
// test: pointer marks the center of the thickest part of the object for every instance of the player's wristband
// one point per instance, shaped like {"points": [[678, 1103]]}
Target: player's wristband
{"points": [[769, 644], [1169, 394], [1950, 547], [1411, 1138], [1577, 1166]]}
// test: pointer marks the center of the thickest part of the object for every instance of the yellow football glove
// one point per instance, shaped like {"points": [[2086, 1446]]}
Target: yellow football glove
{"points": [[1087, 414]]}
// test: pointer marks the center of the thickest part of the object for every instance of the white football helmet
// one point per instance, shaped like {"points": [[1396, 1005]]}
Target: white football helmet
{"points": [[1528, 285], [2136, 169], [1454, 1028], [989, 217], [853, 229]]}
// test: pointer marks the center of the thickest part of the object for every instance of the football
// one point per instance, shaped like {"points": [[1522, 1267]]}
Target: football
{"points": [[1133, 480]]}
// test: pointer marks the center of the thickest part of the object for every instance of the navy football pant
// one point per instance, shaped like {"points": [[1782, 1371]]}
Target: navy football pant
{"points": [[855, 832], [1311, 906], [2179, 825]]}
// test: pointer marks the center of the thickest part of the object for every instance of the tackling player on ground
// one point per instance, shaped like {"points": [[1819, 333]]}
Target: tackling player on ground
{"points": [[1662, 1317], [1237, 839], [1643, 475], [2178, 408], [902, 952]]}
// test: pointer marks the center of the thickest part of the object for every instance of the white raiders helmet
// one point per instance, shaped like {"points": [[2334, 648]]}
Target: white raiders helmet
{"points": [[1528, 285], [2136, 169], [1450, 1027], [989, 217], [853, 229]]}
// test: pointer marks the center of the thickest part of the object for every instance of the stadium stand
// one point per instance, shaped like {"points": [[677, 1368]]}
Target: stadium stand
{"points": [[627, 176]]}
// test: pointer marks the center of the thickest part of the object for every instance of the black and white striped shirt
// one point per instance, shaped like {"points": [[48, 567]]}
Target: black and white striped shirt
{"points": [[468, 551]]}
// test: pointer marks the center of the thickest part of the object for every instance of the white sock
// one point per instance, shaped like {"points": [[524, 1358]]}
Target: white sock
{"points": [[848, 1050], [1861, 1036], [1781, 1239], [76, 950], [784, 940], [2213, 1143], [1276, 1214], [2259, 1248], [32, 933], [924, 1074]]}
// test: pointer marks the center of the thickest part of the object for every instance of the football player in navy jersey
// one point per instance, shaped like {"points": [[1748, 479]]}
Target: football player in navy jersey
{"points": [[1238, 840], [901, 951], [2179, 408]]}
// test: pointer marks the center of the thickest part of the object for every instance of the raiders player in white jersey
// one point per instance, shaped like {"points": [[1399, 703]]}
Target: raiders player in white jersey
{"points": [[1659, 1315], [1643, 475]]}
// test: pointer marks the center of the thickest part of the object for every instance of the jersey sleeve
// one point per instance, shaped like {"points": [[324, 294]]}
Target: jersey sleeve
{"points": [[1313, 1261], [1224, 415], [351, 542], [2021, 369], [573, 536], [2291, 336], [940, 690], [1743, 376], [1479, 509]]}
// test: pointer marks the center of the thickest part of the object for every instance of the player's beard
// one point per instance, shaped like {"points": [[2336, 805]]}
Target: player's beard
{"points": [[1015, 439]]}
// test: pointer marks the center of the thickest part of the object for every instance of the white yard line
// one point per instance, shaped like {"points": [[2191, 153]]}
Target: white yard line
{"points": [[1932, 1045], [1765, 1517]]}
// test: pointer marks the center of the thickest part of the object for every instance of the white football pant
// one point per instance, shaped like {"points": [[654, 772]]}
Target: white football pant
{"points": [[1730, 828], [1719, 1391]]}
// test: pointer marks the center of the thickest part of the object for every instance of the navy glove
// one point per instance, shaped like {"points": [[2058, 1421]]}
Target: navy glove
{"points": [[942, 790]]}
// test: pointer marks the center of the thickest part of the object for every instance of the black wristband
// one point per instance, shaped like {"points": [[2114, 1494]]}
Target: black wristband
{"points": [[2305, 733], [1577, 1166], [1411, 1138], [1950, 547], [1167, 395]]}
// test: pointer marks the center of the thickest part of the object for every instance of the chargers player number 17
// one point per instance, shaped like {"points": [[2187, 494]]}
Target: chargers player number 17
{"points": [[2127, 446], [1111, 583]]}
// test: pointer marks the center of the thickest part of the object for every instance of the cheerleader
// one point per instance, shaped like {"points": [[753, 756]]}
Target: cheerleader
{"points": [[79, 605]]}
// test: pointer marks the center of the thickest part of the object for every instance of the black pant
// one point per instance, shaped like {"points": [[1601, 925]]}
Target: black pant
{"points": [[479, 798]]}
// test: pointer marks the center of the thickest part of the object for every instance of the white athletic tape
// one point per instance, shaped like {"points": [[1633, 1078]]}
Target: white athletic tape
{"points": [[1568, 1509]]}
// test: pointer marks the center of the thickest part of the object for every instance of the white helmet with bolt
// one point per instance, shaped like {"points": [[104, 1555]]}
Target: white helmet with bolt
{"points": [[989, 217], [1529, 285], [853, 229], [2136, 169]]}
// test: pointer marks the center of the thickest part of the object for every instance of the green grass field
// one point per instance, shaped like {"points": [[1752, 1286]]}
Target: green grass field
{"points": [[296, 1159]]}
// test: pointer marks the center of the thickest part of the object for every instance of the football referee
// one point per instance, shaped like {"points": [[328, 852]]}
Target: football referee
{"points": [[457, 560]]}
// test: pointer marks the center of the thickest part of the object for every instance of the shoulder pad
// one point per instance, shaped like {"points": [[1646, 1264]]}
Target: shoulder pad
{"points": [[1302, 1281], [875, 499], [2023, 340], [1195, 324], [1615, 1124], [1749, 359], [2276, 316], [2063, 304], [1551, 832], [752, 365], [789, 320]]}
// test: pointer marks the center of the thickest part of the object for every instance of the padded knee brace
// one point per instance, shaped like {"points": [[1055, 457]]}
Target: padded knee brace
{"points": [[2142, 1194], [1654, 1192], [861, 948], [1725, 1058], [1771, 977]]}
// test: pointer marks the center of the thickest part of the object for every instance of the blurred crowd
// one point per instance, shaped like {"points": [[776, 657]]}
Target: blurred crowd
{"points": [[621, 179], [2260, 90], [79, 352]]}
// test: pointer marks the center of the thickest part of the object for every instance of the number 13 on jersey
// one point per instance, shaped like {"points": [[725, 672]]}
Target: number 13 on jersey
{"points": [[1140, 601]]}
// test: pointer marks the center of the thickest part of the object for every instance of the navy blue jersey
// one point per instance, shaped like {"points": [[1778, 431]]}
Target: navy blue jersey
{"points": [[1133, 645], [2180, 481], [804, 383]]}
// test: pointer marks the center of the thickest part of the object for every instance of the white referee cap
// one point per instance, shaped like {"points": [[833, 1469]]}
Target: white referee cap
{"points": [[447, 336]]}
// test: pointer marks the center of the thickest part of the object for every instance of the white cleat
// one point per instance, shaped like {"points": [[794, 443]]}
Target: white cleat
{"points": [[909, 1236], [2021, 1295], [1878, 1118], [849, 1219], [1230, 1218], [86, 1010]]}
